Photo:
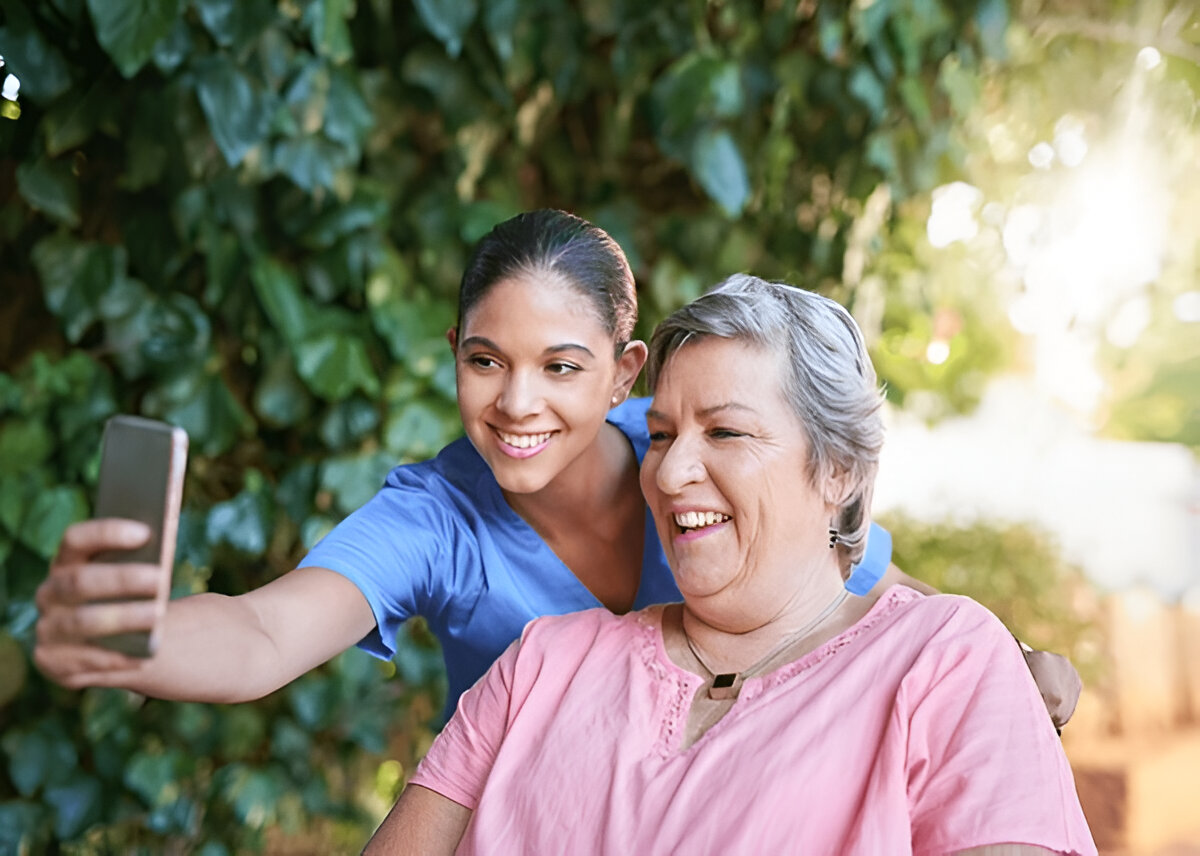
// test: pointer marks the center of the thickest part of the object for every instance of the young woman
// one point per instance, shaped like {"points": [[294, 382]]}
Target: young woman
{"points": [[537, 511]]}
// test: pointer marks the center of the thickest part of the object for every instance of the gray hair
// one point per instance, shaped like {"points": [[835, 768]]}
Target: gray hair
{"points": [[829, 381]]}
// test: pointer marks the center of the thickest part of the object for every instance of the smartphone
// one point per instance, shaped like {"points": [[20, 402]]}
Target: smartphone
{"points": [[142, 465]]}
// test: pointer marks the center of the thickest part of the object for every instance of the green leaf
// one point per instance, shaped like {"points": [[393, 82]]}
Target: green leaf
{"points": [[22, 827], [718, 166], [279, 294], [991, 19], [76, 804], [348, 422], [129, 29], [243, 523], [72, 120], [866, 87], [238, 115], [448, 20], [52, 511], [173, 48], [312, 161], [13, 663], [280, 399], [353, 479], [50, 187], [500, 20], [233, 23], [177, 332], [201, 404], [326, 20], [335, 364], [24, 444], [242, 731], [253, 794], [154, 776], [39, 756], [415, 432], [38, 64], [348, 118]]}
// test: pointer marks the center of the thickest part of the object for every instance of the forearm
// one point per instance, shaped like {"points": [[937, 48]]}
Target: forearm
{"points": [[213, 648], [421, 823]]}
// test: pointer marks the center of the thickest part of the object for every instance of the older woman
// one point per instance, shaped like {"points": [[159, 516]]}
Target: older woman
{"points": [[770, 711]]}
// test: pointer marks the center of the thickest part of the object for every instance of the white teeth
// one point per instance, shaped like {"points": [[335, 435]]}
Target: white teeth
{"points": [[699, 519], [524, 441]]}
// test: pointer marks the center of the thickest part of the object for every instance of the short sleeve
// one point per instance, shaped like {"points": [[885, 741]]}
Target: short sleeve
{"points": [[460, 760], [876, 558], [984, 763], [407, 554]]}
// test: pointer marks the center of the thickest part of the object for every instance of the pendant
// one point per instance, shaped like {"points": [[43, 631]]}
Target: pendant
{"points": [[724, 686]]}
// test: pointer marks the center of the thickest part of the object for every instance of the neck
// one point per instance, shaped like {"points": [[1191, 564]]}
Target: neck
{"points": [[818, 617], [585, 495]]}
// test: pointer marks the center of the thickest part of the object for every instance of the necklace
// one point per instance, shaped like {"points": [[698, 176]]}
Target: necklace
{"points": [[727, 685]]}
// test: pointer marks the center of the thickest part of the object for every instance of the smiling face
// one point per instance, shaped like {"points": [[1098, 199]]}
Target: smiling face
{"points": [[727, 479], [536, 378]]}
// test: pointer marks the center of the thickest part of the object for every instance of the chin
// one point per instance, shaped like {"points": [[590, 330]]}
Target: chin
{"points": [[520, 483]]}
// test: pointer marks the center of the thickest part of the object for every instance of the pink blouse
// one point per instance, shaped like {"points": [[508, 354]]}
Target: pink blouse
{"points": [[917, 730]]}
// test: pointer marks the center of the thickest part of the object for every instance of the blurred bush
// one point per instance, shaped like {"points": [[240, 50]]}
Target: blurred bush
{"points": [[1015, 570], [249, 218]]}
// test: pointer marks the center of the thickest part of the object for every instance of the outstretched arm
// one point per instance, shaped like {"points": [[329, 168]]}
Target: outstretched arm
{"points": [[421, 822], [213, 648], [1057, 680]]}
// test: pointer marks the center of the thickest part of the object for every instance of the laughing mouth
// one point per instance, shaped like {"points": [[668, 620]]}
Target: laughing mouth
{"points": [[690, 521], [524, 441]]}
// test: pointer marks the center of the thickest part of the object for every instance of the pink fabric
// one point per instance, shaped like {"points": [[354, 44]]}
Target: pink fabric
{"points": [[917, 730]]}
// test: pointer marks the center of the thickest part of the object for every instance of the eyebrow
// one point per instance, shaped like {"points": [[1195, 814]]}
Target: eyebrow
{"points": [[707, 411], [484, 342]]}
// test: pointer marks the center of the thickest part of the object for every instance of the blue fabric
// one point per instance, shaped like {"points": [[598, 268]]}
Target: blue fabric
{"points": [[876, 557], [439, 540]]}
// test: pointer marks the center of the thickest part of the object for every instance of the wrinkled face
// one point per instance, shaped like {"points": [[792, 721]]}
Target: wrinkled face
{"points": [[726, 477], [536, 378]]}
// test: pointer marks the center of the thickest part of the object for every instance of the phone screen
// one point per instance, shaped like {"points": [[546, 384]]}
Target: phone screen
{"points": [[141, 478]]}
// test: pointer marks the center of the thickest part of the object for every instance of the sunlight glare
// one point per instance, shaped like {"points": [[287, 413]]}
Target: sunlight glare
{"points": [[1187, 307], [952, 214], [1070, 144], [1149, 58], [1130, 321], [1041, 155], [938, 351]]}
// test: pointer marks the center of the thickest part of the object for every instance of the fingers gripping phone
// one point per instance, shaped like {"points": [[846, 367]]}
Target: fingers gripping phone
{"points": [[142, 465]]}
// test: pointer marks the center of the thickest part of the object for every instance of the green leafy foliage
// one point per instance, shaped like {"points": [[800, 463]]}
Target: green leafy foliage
{"points": [[249, 219], [1018, 572]]}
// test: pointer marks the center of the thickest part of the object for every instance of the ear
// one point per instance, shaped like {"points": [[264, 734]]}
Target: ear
{"points": [[629, 366], [452, 338], [837, 488]]}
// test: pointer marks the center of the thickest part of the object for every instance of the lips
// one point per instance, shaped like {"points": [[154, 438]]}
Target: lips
{"points": [[523, 445]]}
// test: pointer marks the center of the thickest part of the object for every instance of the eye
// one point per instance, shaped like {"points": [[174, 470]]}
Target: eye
{"points": [[725, 433], [562, 369], [659, 436], [480, 361]]}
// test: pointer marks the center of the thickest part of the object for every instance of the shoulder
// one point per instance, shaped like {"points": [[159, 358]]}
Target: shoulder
{"points": [[630, 418], [919, 621], [578, 635]]}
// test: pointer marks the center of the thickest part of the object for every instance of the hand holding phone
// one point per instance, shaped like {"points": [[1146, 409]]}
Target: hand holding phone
{"points": [[142, 468]]}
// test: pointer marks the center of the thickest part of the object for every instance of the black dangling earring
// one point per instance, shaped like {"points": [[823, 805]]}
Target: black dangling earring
{"points": [[834, 537]]}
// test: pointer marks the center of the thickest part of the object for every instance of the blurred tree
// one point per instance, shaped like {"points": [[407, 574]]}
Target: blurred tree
{"points": [[249, 218]]}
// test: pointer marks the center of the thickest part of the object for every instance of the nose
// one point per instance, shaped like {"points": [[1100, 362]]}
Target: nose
{"points": [[520, 396], [679, 466]]}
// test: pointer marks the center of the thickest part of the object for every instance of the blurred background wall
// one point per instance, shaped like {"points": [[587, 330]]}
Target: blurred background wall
{"points": [[249, 218]]}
